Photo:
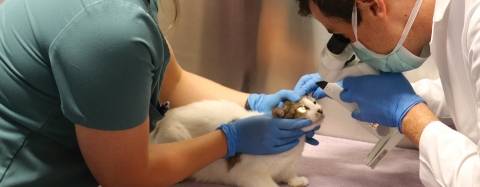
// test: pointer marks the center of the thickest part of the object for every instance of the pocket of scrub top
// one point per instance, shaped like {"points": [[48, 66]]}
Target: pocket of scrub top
{"points": [[12, 139]]}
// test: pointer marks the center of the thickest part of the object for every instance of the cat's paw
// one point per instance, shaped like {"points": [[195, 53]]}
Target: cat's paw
{"points": [[298, 182]]}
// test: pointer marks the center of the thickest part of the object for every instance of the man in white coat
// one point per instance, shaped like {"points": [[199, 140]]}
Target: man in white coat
{"points": [[390, 36]]}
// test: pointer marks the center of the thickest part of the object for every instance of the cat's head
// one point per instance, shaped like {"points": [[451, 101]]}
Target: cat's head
{"points": [[306, 108]]}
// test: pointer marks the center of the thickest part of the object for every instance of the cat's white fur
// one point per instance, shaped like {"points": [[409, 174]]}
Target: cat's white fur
{"points": [[202, 117]]}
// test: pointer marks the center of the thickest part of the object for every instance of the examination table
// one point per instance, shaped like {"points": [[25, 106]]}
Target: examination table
{"points": [[340, 162]]}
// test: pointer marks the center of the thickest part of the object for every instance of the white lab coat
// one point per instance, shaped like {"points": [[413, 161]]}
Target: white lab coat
{"points": [[449, 157]]}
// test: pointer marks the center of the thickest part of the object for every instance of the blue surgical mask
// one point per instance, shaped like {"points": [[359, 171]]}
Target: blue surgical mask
{"points": [[400, 59]]}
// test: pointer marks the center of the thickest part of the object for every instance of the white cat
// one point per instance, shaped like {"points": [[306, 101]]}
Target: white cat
{"points": [[199, 118]]}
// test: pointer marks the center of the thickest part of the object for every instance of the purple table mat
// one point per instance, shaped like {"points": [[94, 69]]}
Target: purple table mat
{"points": [[340, 163]]}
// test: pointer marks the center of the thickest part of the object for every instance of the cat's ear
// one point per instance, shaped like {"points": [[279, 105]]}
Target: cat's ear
{"points": [[278, 113]]}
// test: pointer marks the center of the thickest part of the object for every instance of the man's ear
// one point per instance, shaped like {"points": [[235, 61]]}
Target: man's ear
{"points": [[372, 8]]}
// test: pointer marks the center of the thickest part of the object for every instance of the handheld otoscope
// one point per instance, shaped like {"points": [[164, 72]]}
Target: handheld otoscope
{"points": [[338, 62]]}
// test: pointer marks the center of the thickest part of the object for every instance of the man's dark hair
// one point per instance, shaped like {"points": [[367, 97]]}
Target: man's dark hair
{"points": [[331, 8]]}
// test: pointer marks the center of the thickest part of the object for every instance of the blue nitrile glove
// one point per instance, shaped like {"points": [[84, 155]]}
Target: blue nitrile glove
{"points": [[382, 99], [309, 137], [307, 84], [261, 135], [265, 103]]}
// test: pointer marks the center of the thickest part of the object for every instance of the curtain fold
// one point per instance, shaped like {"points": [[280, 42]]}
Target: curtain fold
{"points": [[249, 45]]}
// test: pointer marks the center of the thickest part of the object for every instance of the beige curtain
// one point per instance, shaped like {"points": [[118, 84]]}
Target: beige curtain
{"points": [[250, 45], [217, 39]]}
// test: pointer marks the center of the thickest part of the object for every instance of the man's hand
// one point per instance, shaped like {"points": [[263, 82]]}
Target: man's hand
{"points": [[384, 99]]}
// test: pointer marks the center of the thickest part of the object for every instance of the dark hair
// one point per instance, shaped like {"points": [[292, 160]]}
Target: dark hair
{"points": [[331, 8]]}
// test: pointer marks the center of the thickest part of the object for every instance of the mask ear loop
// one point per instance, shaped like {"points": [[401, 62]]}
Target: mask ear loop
{"points": [[355, 20], [406, 30], [409, 24]]}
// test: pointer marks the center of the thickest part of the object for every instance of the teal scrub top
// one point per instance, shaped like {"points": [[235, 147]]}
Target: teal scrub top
{"points": [[97, 63]]}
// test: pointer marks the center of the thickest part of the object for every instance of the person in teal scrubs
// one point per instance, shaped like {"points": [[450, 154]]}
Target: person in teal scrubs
{"points": [[80, 84]]}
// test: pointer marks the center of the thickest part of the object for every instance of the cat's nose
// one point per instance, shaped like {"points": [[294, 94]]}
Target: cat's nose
{"points": [[320, 111]]}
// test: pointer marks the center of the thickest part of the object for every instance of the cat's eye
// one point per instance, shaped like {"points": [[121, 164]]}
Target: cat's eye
{"points": [[314, 102], [302, 109]]}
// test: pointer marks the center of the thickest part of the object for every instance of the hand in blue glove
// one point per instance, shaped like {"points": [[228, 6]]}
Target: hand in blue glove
{"points": [[309, 137], [384, 99], [265, 103], [307, 84], [260, 135]]}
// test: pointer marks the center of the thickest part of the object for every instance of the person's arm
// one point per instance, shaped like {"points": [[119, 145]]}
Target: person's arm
{"points": [[419, 117], [124, 158], [103, 69], [181, 87], [432, 92], [447, 157]]}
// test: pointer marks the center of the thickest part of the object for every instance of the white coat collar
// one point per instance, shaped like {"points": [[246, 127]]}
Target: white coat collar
{"points": [[440, 9]]}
